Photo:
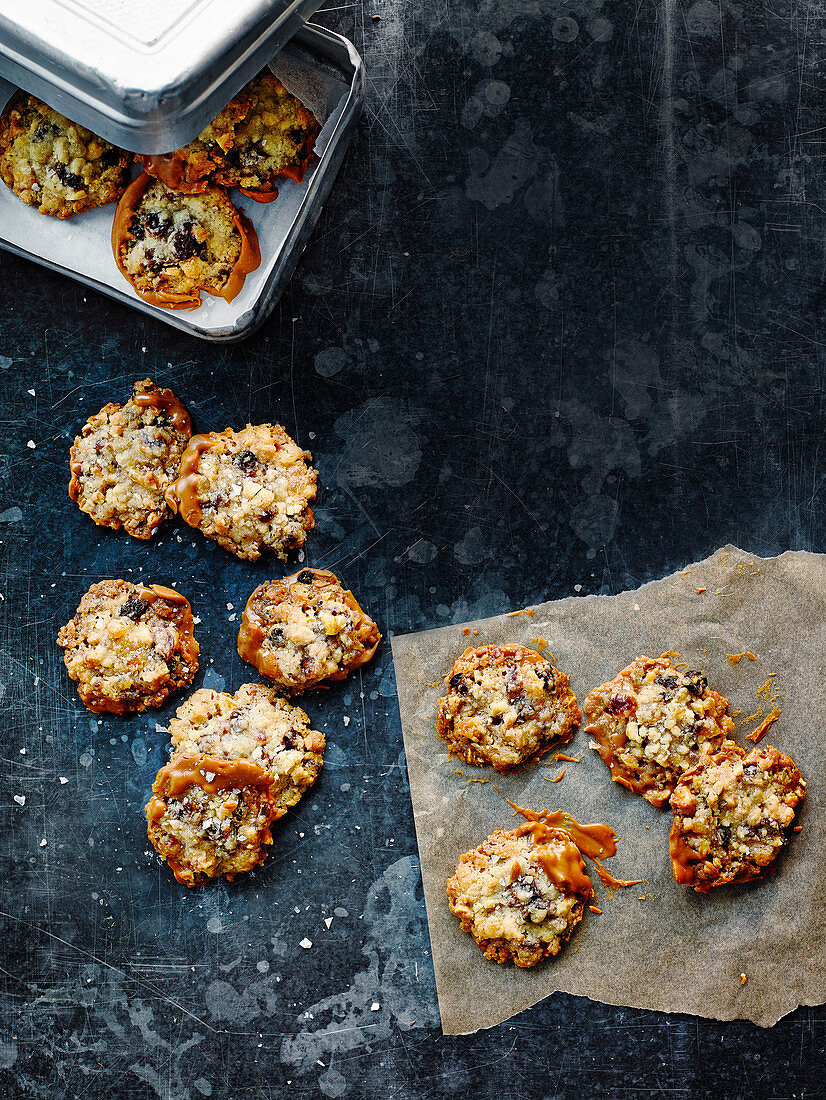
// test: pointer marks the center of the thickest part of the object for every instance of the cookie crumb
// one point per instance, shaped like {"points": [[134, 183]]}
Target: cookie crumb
{"points": [[743, 979]]}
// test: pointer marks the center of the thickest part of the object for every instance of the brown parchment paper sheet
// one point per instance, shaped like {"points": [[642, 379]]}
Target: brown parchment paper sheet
{"points": [[657, 945]]}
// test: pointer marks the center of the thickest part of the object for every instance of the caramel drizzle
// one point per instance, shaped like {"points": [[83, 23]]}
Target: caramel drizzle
{"points": [[182, 494], [166, 402], [558, 857], [758, 734], [596, 840]]}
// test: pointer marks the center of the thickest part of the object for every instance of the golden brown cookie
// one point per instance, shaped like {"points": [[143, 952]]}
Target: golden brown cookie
{"points": [[126, 456], [521, 893], [273, 140], [505, 704], [210, 816], [172, 246], [190, 168], [129, 646], [651, 722], [54, 164], [253, 724], [732, 815], [305, 629], [249, 490]]}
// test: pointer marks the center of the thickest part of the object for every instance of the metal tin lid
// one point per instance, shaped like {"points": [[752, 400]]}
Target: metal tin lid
{"points": [[145, 74]]}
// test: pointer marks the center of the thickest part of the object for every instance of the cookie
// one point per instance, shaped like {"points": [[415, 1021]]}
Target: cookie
{"points": [[305, 629], [521, 893], [274, 140], [248, 490], [172, 246], [732, 815], [129, 646], [210, 816], [126, 456], [190, 168], [255, 725], [505, 704], [54, 164], [650, 723]]}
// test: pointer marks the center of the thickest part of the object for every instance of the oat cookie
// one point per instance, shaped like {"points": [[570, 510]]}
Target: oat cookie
{"points": [[274, 139], [54, 164], [210, 816], [521, 893], [126, 456], [651, 722], [129, 646], [305, 629], [249, 490], [732, 815], [190, 168], [504, 705], [255, 725], [172, 246]]}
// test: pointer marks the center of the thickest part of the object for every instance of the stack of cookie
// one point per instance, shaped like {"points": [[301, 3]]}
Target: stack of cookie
{"points": [[176, 232], [238, 762]]}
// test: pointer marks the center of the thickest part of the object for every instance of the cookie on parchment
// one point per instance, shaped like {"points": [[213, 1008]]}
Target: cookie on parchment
{"points": [[129, 646], [172, 246], [249, 490], [54, 164], [652, 721], [732, 815], [305, 629], [126, 456], [520, 893], [210, 816], [273, 140], [505, 704], [254, 724]]}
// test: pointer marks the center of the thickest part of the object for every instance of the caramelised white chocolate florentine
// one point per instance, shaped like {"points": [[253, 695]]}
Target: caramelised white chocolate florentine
{"points": [[520, 893], [732, 815], [125, 458], [652, 721], [129, 646], [305, 629], [504, 705], [249, 490]]}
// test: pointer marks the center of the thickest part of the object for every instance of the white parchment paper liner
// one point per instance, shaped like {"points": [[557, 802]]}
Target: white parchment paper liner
{"points": [[83, 243], [657, 945]]}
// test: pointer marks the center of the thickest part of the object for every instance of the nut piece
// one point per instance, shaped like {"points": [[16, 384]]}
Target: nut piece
{"points": [[651, 722], [732, 815], [305, 629], [505, 704]]}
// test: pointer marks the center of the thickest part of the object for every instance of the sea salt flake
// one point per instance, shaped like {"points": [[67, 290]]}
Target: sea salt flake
{"points": [[20, 799], [328, 921], [31, 444], [346, 720], [375, 1006], [305, 943]]}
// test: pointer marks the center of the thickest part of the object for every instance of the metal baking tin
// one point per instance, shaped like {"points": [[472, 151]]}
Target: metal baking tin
{"points": [[146, 74], [36, 233]]}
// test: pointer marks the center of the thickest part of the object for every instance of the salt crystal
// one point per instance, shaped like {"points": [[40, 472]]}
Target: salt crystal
{"points": [[305, 943], [20, 799]]}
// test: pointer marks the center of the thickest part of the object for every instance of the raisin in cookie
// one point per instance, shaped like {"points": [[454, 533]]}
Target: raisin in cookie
{"points": [[504, 705], [54, 164], [255, 725], [273, 140], [210, 816], [190, 168], [126, 456], [732, 815], [248, 490], [129, 646], [651, 722], [521, 893], [305, 629], [172, 246]]}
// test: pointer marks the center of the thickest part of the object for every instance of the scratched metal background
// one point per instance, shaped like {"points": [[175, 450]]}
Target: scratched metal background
{"points": [[560, 325]]}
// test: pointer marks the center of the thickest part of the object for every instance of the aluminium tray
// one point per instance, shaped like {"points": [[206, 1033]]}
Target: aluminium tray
{"points": [[80, 246]]}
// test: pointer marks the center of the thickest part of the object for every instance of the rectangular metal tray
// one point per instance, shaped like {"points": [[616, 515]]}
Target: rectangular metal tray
{"points": [[145, 74], [80, 247]]}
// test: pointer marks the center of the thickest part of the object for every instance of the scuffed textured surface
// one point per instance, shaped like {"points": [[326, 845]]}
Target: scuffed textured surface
{"points": [[558, 330]]}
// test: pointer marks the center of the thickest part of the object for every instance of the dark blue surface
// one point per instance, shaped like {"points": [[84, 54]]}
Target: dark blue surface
{"points": [[560, 324]]}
